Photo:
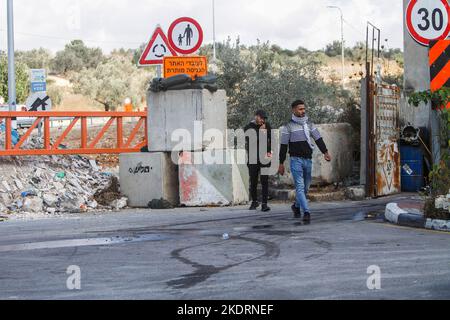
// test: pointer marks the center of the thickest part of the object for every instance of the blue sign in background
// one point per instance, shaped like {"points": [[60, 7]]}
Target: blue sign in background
{"points": [[38, 87]]}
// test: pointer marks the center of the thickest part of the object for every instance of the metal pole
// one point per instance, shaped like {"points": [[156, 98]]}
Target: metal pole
{"points": [[214, 29], [379, 43], [367, 46], [159, 71], [11, 63], [342, 44], [373, 51], [343, 50]]}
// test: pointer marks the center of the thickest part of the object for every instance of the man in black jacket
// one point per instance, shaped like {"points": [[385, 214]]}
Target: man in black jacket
{"points": [[297, 136], [258, 135]]}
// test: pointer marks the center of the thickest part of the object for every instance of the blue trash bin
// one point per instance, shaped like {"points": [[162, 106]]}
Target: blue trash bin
{"points": [[412, 162]]}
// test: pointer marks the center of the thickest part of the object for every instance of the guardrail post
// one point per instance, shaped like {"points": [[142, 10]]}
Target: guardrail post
{"points": [[84, 133], [119, 132], [8, 132], [47, 142]]}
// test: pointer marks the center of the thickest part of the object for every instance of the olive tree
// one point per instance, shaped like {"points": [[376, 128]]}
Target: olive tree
{"points": [[260, 77], [22, 79], [75, 57], [112, 81], [35, 59]]}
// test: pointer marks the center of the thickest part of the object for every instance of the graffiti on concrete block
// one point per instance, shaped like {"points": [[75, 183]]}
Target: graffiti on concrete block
{"points": [[140, 169]]}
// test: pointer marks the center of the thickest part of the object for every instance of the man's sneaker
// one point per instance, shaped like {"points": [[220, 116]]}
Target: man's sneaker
{"points": [[296, 211], [265, 208], [307, 217], [254, 206]]}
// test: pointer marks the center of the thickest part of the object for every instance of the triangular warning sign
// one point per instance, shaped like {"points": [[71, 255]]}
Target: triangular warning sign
{"points": [[157, 48]]}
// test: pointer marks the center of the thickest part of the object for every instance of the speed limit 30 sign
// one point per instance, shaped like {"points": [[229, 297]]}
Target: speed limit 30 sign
{"points": [[428, 20]]}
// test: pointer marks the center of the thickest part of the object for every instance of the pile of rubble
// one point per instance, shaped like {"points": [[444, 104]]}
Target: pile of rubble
{"points": [[55, 184], [443, 202]]}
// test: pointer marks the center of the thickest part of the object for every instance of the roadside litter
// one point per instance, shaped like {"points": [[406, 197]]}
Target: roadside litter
{"points": [[56, 184]]}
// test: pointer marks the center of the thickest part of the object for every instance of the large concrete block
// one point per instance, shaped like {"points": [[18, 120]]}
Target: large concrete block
{"points": [[338, 138], [195, 111], [204, 183], [148, 176]]}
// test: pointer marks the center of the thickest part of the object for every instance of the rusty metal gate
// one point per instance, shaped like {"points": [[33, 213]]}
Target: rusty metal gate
{"points": [[384, 151]]}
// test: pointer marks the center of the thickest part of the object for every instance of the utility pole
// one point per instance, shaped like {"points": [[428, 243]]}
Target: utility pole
{"points": [[214, 28], [342, 43], [11, 63]]}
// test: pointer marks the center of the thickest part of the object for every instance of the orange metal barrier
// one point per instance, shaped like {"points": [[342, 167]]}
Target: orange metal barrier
{"points": [[86, 147]]}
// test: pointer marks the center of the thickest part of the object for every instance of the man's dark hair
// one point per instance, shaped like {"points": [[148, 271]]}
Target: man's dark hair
{"points": [[262, 114], [297, 103]]}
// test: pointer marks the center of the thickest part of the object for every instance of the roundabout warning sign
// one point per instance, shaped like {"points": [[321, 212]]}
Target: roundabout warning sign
{"points": [[157, 48]]}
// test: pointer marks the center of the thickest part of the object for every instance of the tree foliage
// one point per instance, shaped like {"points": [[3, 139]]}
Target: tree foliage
{"points": [[261, 77], [111, 82], [76, 56], [333, 49], [56, 94], [35, 59], [22, 79]]}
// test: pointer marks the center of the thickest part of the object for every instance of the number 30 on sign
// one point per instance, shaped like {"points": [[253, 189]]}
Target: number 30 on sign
{"points": [[428, 20]]}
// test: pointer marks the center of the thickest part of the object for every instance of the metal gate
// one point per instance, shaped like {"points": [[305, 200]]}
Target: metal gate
{"points": [[384, 152]]}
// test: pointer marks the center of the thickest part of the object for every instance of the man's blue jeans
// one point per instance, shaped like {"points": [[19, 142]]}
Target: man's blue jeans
{"points": [[302, 172]]}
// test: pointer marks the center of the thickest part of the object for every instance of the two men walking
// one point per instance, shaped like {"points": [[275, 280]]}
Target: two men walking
{"points": [[296, 138]]}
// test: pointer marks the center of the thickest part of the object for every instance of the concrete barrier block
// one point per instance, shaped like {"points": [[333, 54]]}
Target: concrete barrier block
{"points": [[148, 176], [171, 111], [338, 140], [203, 183]]}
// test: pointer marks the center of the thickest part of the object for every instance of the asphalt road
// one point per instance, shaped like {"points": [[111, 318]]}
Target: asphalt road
{"points": [[181, 254]]}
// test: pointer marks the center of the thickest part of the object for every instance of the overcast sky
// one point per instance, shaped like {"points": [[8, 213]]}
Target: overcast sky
{"points": [[118, 23]]}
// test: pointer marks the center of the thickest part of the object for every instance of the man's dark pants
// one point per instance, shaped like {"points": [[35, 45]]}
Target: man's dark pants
{"points": [[255, 171]]}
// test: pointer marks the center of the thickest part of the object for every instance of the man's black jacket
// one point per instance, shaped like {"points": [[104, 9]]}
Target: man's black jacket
{"points": [[260, 134]]}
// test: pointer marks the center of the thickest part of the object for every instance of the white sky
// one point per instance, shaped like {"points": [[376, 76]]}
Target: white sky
{"points": [[118, 23]]}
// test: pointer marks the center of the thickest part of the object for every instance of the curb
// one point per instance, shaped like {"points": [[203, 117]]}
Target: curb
{"points": [[398, 216]]}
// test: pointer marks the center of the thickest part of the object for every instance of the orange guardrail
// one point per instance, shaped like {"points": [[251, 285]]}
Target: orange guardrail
{"points": [[86, 147]]}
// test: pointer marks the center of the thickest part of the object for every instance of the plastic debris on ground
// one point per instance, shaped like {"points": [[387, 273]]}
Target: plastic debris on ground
{"points": [[52, 185]]}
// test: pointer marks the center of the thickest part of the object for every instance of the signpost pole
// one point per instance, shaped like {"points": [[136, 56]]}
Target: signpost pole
{"points": [[342, 44], [343, 49], [214, 29], [159, 71], [11, 63]]}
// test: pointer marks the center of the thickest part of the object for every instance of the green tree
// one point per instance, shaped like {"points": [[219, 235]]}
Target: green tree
{"points": [[22, 79], [138, 53], [56, 94], [76, 56], [302, 52], [261, 77], [333, 49], [35, 59], [112, 82]]}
